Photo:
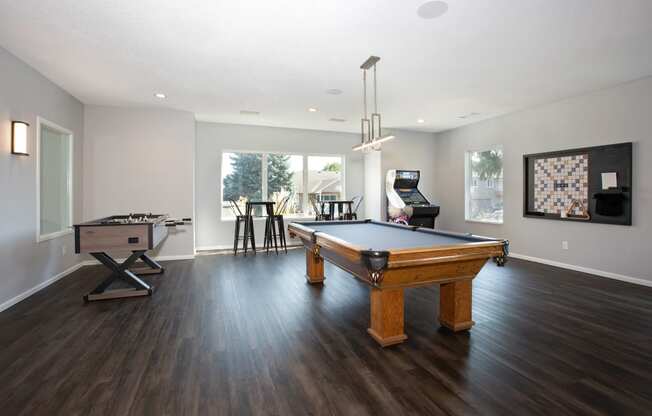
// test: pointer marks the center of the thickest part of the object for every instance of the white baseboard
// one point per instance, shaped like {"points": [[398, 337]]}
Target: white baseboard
{"points": [[11, 302], [177, 257], [601, 273], [214, 248]]}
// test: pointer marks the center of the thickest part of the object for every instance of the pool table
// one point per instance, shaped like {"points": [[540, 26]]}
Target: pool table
{"points": [[390, 257]]}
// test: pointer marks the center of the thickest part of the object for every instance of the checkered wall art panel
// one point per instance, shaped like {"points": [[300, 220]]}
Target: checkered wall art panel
{"points": [[560, 180]]}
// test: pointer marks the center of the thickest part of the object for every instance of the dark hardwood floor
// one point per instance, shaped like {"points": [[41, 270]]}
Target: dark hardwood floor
{"points": [[225, 335]]}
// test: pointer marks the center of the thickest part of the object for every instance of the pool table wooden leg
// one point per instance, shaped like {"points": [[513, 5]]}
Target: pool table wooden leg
{"points": [[455, 305], [314, 267], [387, 316]]}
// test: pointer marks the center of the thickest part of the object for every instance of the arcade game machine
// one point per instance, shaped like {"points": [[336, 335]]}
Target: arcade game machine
{"points": [[405, 204]]}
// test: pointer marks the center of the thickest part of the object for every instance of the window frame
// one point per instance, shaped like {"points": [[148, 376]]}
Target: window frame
{"points": [[468, 181], [305, 155], [40, 122]]}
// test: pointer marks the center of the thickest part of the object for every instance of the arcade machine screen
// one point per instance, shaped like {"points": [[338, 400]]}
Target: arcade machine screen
{"points": [[405, 203]]}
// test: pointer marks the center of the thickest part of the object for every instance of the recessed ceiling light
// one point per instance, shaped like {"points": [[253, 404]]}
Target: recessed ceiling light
{"points": [[249, 112], [312, 110], [469, 115], [432, 9], [160, 95], [421, 121], [337, 120], [334, 91]]}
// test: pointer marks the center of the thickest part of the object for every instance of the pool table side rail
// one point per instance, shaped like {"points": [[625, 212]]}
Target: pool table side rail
{"points": [[416, 228], [442, 254]]}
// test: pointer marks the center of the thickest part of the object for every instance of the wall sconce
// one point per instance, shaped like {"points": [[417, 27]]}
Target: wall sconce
{"points": [[19, 138]]}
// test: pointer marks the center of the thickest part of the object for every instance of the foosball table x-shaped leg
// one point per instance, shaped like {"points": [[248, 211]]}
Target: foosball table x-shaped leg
{"points": [[121, 271]]}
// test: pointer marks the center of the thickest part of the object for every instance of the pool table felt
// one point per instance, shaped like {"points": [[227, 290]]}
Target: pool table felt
{"points": [[380, 237]]}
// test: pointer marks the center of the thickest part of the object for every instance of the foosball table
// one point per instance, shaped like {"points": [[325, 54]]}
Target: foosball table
{"points": [[135, 233]]}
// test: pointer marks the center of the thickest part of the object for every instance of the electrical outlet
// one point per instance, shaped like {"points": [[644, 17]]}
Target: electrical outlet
{"points": [[564, 245], [64, 250]]}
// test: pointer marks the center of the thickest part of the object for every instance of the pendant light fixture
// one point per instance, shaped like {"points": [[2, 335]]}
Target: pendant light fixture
{"points": [[370, 128]]}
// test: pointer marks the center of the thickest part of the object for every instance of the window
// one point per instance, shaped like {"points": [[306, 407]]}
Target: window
{"points": [[484, 186], [324, 179], [54, 173], [283, 178], [285, 183], [241, 180]]}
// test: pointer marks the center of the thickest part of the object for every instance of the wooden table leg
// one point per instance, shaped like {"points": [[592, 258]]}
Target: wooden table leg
{"points": [[455, 305], [314, 266], [387, 316]]}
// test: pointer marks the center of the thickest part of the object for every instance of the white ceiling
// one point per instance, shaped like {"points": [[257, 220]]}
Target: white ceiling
{"points": [[215, 58]]}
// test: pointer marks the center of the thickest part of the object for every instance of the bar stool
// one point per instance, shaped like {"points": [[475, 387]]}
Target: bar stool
{"points": [[319, 216], [356, 200], [280, 223], [248, 228], [270, 227], [327, 216]]}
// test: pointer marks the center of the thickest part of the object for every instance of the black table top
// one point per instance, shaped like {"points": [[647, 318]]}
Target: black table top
{"points": [[337, 201], [260, 202]]}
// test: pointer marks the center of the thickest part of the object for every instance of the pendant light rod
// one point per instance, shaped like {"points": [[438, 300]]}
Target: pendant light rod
{"points": [[364, 91], [375, 92], [371, 128]]}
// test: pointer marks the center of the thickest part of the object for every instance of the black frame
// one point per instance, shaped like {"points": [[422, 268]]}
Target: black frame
{"points": [[593, 150], [13, 136]]}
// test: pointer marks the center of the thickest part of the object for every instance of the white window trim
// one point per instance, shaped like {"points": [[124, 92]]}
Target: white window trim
{"points": [[40, 121], [468, 179], [486, 221], [264, 154]]}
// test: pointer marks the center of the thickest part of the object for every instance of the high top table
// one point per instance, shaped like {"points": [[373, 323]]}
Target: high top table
{"points": [[343, 214], [270, 228]]}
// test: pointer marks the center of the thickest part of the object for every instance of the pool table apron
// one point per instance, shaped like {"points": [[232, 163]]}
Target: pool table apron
{"points": [[451, 267]]}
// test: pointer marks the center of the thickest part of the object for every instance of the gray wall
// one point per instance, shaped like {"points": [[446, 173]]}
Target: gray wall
{"points": [[141, 160], [373, 184], [214, 138], [614, 115], [410, 150], [24, 263]]}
